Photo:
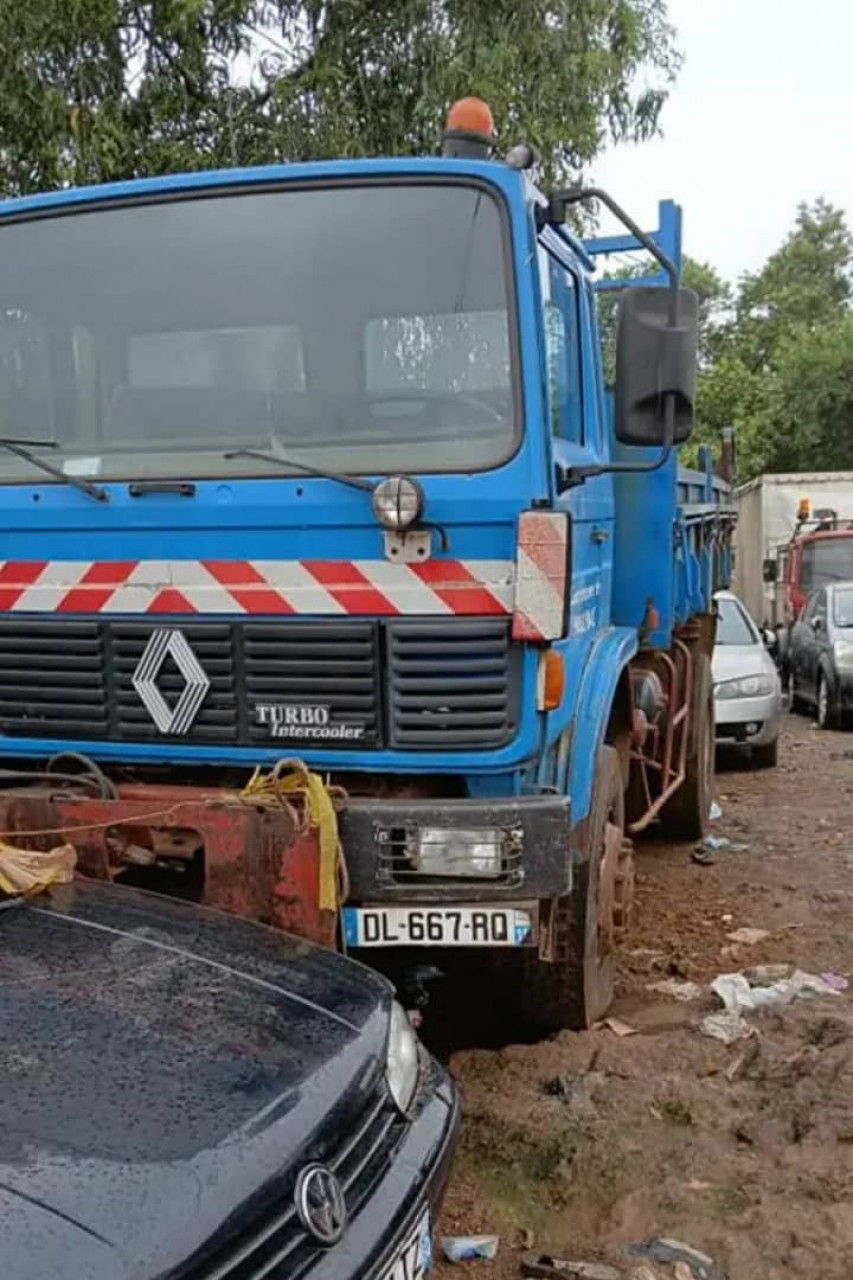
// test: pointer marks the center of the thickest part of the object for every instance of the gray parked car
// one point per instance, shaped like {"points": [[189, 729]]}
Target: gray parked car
{"points": [[747, 688], [821, 655]]}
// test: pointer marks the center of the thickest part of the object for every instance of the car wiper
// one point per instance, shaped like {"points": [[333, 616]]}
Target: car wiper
{"points": [[305, 468], [24, 449]]}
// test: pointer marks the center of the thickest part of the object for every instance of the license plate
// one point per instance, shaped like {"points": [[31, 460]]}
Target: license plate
{"points": [[415, 1258], [439, 926]]}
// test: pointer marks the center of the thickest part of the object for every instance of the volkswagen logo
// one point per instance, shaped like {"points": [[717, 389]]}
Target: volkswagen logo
{"points": [[320, 1203]]}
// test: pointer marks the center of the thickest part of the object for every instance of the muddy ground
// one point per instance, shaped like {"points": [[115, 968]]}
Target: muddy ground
{"points": [[588, 1142]]}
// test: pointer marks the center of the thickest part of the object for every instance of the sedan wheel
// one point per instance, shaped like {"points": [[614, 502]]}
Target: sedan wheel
{"points": [[825, 710]]}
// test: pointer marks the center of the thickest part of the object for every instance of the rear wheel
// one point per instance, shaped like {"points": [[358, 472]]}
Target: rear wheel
{"points": [[685, 816], [767, 755], [576, 989]]}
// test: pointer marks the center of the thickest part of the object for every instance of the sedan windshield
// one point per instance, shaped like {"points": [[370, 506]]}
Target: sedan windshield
{"points": [[733, 626], [843, 607], [355, 328]]}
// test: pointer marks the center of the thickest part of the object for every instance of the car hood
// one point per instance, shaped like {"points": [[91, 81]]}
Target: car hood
{"points": [[737, 661], [162, 1064]]}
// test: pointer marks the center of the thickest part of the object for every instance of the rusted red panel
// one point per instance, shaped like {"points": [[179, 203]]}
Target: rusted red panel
{"points": [[258, 861]]}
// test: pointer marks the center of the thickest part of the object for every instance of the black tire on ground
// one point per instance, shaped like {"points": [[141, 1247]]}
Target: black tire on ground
{"points": [[766, 756], [685, 816], [826, 708], [576, 989]]}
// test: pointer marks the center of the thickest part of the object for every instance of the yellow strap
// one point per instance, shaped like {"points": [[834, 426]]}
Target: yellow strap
{"points": [[320, 813]]}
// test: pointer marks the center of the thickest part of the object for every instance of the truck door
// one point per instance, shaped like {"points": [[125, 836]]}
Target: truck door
{"points": [[575, 438]]}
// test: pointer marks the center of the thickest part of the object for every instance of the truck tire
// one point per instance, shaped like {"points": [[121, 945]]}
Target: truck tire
{"points": [[685, 816], [576, 989]]}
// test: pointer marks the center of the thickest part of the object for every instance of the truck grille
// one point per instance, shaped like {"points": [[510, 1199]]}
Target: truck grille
{"points": [[426, 685], [278, 1245], [453, 684]]}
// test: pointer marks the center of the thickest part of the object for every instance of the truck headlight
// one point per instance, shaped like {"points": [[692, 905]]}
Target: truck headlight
{"points": [[398, 502], [402, 1065], [746, 687], [843, 650], [451, 851]]}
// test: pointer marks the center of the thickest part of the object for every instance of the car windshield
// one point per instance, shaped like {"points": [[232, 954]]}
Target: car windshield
{"points": [[842, 610], [356, 328], [733, 626], [825, 560]]}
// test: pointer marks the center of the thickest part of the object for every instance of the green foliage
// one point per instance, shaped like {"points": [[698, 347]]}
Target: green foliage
{"points": [[778, 361], [93, 90]]}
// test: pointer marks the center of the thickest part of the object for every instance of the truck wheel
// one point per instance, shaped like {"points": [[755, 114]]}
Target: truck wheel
{"points": [[685, 816], [576, 989]]}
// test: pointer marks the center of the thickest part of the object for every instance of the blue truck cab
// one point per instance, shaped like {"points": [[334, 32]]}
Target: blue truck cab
{"points": [[317, 461]]}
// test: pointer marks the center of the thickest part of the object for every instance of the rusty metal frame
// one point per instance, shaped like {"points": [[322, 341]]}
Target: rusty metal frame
{"points": [[678, 691], [260, 860]]}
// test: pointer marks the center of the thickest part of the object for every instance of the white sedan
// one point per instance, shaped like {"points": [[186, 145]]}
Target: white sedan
{"points": [[747, 688]]}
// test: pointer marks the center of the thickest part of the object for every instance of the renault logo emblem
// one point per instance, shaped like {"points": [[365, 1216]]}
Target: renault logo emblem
{"points": [[320, 1203], [163, 644]]}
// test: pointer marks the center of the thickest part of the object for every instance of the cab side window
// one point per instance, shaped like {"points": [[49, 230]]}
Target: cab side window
{"points": [[562, 348]]}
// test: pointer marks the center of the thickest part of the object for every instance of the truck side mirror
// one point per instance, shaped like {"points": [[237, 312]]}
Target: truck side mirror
{"points": [[656, 351], [770, 571]]}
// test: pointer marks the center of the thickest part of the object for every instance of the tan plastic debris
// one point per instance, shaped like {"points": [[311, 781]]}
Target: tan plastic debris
{"points": [[26, 871]]}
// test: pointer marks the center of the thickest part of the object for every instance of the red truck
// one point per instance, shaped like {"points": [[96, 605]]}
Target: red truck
{"points": [[819, 551]]}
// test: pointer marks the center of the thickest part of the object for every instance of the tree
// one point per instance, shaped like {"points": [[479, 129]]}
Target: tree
{"points": [[96, 90], [781, 362]]}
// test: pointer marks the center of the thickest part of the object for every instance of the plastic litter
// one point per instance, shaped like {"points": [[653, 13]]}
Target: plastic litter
{"points": [[618, 1027], [728, 1027], [467, 1248], [30, 871], [835, 980], [715, 811], [546, 1267], [764, 975], [749, 937], [684, 991], [738, 996], [671, 1251]]}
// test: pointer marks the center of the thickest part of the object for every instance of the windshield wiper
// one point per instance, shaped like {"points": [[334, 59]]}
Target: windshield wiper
{"points": [[24, 449], [305, 468]]}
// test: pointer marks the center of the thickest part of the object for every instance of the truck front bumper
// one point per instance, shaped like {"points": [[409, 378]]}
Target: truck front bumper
{"points": [[395, 849]]}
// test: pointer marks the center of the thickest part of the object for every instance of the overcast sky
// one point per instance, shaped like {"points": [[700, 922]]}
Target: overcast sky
{"points": [[760, 118]]}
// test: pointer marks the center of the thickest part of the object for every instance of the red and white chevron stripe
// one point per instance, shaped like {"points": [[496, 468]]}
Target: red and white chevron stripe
{"points": [[467, 587], [541, 576]]}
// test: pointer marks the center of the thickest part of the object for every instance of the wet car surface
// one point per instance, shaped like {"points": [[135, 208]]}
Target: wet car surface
{"points": [[169, 1072]]}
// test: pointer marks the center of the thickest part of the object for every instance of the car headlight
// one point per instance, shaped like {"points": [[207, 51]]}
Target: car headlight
{"points": [[843, 650], [451, 851], [402, 1066], [746, 687]]}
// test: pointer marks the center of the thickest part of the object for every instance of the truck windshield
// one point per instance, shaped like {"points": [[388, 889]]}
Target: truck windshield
{"points": [[824, 560], [356, 328]]}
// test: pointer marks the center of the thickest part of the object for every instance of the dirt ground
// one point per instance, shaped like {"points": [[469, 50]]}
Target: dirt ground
{"points": [[586, 1143]]}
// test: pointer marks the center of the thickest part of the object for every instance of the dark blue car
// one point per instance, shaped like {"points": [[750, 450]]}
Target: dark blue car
{"points": [[188, 1095], [821, 655]]}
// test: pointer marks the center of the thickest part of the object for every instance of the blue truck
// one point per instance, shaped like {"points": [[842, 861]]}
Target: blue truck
{"points": [[312, 469]]}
